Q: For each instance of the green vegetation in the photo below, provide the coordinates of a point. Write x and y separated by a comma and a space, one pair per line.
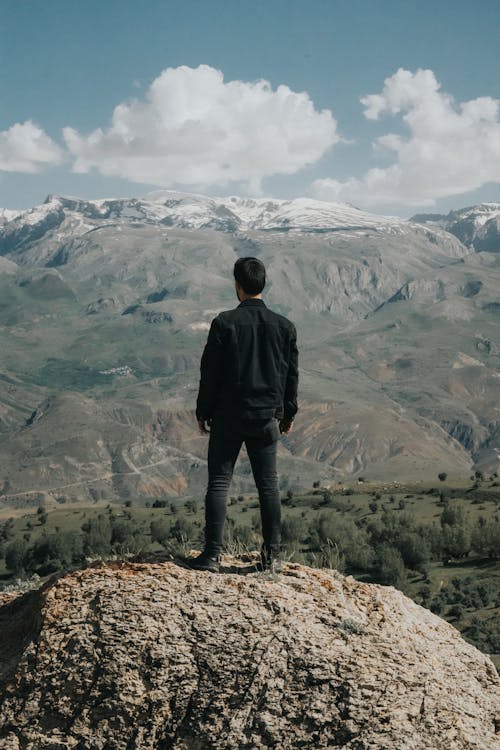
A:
441, 546
70, 375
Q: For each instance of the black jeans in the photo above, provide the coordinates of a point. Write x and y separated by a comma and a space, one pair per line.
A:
226, 438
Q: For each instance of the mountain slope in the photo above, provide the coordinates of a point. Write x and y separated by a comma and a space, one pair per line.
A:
104, 311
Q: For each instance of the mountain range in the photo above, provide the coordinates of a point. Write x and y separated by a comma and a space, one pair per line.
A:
105, 306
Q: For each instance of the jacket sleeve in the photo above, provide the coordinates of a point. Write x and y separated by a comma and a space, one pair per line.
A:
211, 369
292, 380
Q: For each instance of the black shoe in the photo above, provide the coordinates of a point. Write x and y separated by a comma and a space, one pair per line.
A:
205, 561
271, 560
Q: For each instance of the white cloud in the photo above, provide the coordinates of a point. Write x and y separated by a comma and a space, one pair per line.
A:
194, 129
25, 147
451, 148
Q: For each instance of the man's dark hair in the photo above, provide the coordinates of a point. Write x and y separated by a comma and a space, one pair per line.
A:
250, 273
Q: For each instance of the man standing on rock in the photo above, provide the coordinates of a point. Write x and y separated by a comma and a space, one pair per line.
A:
247, 394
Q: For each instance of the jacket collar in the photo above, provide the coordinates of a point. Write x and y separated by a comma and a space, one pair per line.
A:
253, 301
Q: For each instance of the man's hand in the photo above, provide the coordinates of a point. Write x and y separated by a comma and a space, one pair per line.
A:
285, 426
203, 427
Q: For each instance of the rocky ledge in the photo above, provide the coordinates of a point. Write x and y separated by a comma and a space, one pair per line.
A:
153, 656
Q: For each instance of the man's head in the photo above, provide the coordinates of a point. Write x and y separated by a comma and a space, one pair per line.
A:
250, 275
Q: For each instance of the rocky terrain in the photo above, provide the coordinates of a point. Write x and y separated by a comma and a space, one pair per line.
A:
105, 307
154, 655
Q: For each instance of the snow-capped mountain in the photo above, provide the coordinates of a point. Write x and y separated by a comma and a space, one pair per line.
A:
475, 226
61, 218
7, 214
302, 214
188, 211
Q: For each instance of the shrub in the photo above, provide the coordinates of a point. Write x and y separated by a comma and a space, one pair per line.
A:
97, 535
456, 611
51, 552
389, 566
352, 541
183, 530
160, 530
292, 529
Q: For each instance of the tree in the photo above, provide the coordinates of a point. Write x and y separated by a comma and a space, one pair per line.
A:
51, 552
15, 556
442, 476
456, 540
7, 530
160, 504
453, 514
415, 551
485, 538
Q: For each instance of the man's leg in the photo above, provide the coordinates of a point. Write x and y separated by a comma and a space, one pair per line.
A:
262, 455
223, 448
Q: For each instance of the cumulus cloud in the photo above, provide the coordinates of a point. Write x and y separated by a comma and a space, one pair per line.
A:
193, 128
25, 147
450, 149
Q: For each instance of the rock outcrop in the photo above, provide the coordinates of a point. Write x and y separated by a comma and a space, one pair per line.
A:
156, 656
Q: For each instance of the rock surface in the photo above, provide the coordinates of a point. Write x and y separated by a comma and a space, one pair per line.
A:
156, 656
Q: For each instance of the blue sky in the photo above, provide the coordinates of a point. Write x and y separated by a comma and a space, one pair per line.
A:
424, 138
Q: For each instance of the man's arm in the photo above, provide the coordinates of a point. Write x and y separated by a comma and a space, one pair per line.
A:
210, 374
292, 382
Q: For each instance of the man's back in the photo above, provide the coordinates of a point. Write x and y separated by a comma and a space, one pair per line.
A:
249, 365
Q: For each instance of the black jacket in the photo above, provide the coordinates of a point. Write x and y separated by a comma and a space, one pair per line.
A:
249, 367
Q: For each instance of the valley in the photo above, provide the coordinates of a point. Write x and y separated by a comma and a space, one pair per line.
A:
105, 308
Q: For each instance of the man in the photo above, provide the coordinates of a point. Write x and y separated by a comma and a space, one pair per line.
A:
247, 394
